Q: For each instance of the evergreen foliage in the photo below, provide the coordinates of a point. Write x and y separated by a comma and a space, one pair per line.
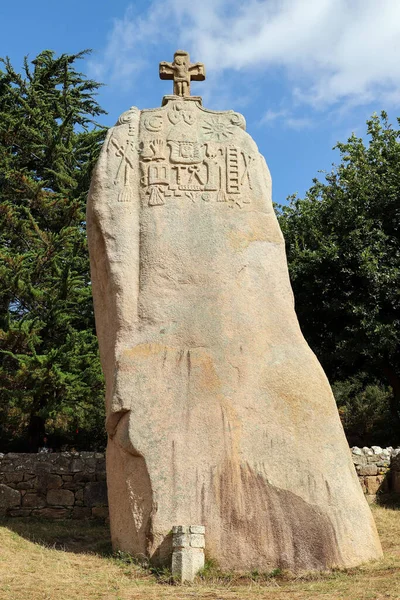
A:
343, 245
50, 374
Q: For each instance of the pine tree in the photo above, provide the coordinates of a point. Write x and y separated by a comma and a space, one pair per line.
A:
50, 373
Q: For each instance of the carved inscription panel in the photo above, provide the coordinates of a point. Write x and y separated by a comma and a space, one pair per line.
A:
190, 155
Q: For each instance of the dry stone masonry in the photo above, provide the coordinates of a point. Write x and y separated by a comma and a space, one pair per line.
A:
53, 486
377, 469
218, 412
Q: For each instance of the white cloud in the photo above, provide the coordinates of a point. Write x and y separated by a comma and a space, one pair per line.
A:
298, 123
273, 115
287, 118
331, 50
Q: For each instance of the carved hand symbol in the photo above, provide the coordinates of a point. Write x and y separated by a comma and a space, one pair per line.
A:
157, 146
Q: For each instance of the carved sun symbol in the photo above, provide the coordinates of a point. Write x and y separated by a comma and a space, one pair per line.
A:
216, 129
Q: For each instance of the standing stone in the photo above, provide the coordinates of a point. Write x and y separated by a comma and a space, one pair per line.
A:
218, 412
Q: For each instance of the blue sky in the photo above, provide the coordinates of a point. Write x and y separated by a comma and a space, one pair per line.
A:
305, 73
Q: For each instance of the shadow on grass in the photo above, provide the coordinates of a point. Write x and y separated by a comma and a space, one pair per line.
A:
83, 537
69, 536
389, 500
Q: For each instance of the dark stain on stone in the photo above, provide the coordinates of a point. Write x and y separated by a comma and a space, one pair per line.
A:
328, 491
174, 482
203, 503
273, 527
189, 364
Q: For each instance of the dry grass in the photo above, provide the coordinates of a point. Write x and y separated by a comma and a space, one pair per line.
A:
72, 561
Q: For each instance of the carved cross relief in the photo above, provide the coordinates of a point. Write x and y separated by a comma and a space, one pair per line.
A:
182, 72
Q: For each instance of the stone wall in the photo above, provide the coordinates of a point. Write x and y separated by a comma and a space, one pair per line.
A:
58, 485
378, 469
73, 485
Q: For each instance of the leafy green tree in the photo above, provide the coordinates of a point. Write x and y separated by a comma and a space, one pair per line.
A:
364, 410
50, 375
343, 245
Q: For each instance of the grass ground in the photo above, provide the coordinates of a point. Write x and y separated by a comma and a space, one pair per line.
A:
73, 561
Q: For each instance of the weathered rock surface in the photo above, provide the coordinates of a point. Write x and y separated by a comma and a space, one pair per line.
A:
60, 497
95, 494
9, 497
218, 411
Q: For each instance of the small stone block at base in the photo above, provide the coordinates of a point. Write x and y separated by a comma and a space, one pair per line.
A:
197, 529
197, 540
181, 540
188, 552
180, 529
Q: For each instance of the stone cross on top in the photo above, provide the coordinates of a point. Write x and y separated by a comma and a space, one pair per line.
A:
182, 72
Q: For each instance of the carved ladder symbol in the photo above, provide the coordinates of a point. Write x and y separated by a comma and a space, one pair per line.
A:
232, 165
